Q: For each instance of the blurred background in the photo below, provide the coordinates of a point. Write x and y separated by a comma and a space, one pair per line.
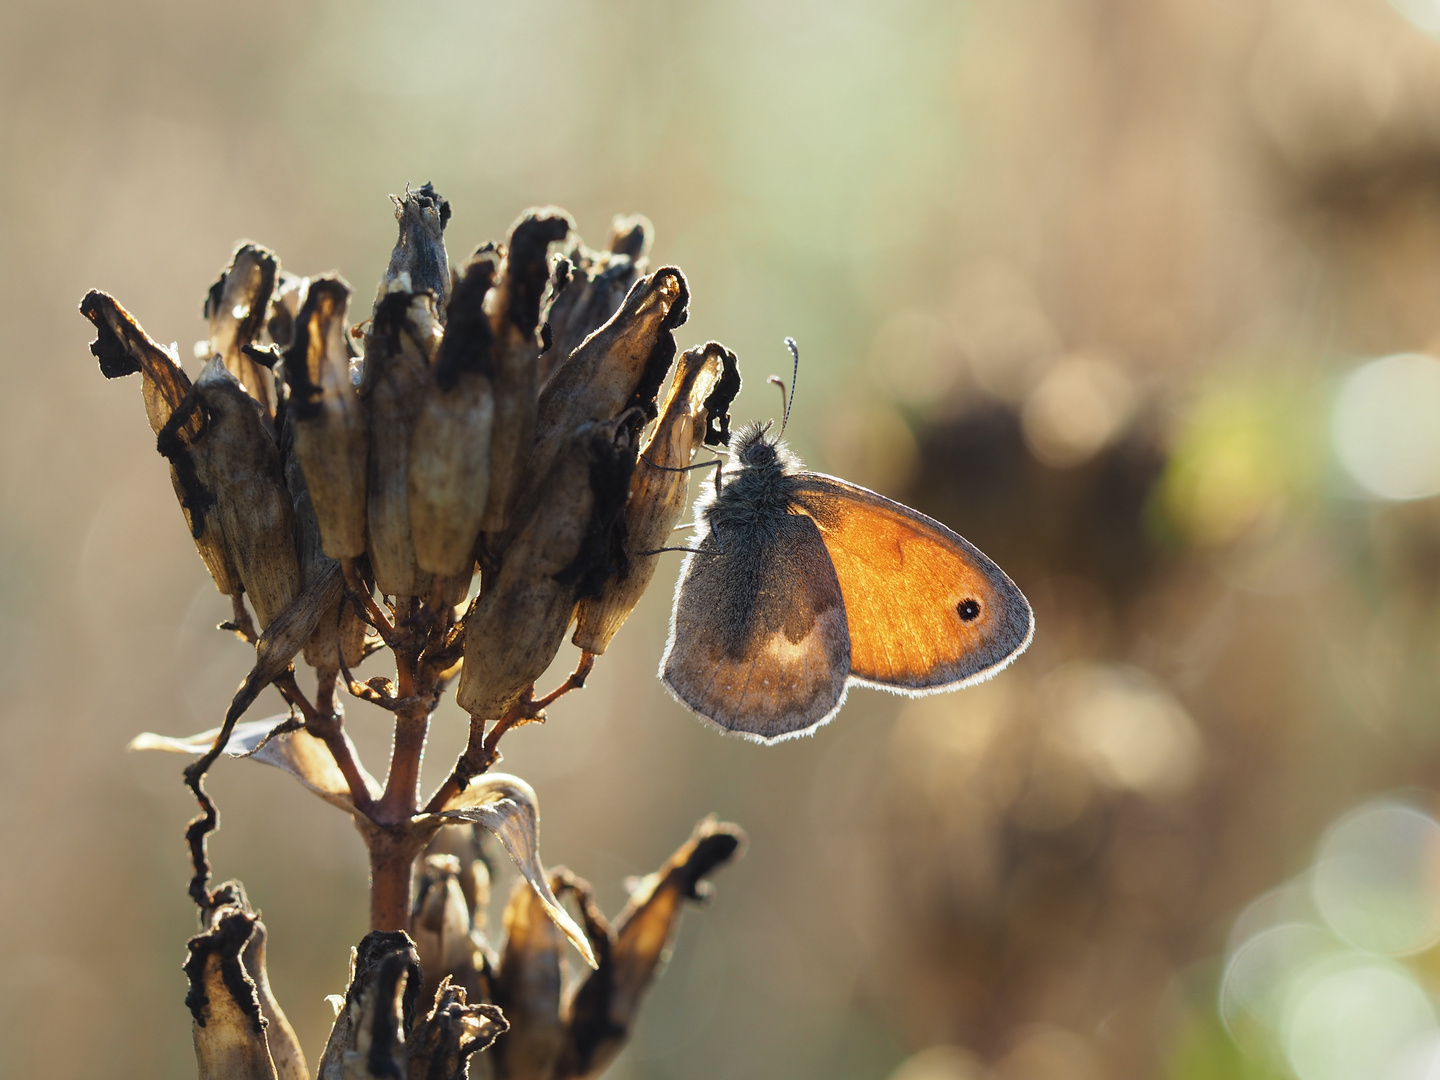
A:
1141, 296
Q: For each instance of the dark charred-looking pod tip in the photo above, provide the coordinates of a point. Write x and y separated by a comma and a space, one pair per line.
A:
515, 315
236, 308
123, 348
657, 496
418, 262
717, 405
606, 1004
228, 1026
630, 235
331, 438
450, 451
372, 1026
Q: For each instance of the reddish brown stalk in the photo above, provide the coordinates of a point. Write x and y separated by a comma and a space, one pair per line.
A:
327, 727
371, 609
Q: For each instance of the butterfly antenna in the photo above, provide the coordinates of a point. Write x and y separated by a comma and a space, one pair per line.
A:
794, 377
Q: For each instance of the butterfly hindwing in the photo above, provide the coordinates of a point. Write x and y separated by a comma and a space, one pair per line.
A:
758, 640
926, 609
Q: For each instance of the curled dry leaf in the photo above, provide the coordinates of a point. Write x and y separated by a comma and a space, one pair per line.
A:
605, 1005
449, 477
589, 286
515, 317
506, 806
238, 465
236, 308
228, 1027
331, 439
301, 755
659, 491
123, 348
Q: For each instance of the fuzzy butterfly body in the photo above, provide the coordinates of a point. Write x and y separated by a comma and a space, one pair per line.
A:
801, 584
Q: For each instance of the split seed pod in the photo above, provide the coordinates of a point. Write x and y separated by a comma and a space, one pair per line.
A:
236, 308
123, 348
619, 366
370, 1030
659, 491
590, 286
520, 618
515, 318
399, 348
237, 462
440, 923
331, 440
449, 468
530, 986
419, 253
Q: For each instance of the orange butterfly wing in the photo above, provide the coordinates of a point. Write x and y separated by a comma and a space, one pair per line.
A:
926, 609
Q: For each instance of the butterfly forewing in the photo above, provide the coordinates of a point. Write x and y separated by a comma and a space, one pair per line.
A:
758, 640
926, 609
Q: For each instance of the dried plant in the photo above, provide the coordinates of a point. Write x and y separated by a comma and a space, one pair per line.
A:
487, 465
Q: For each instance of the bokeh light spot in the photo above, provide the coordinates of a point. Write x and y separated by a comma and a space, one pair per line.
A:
1356, 1020
1386, 426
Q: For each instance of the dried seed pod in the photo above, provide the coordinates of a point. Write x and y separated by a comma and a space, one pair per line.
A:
228, 1025
619, 366
515, 318
589, 286
418, 262
605, 1005
440, 925
659, 491
442, 1044
237, 462
531, 980
339, 635
123, 348
399, 348
331, 439
371, 1028
449, 470
285, 1049
520, 619
285, 303
236, 308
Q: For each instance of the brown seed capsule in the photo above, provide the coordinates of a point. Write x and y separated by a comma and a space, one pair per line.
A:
529, 987
659, 491
440, 924
237, 462
228, 1026
449, 469
330, 436
399, 349
619, 366
441, 1045
606, 1004
515, 317
419, 256
285, 303
123, 348
589, 286
236, 308
381, 1003
339, 635
520, 619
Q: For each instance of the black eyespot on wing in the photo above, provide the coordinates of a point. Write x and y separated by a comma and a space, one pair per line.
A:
969, 610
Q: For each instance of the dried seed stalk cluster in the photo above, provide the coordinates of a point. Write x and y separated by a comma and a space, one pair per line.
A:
492, 425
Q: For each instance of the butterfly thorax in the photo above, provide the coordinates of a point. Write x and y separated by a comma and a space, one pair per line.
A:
757, 490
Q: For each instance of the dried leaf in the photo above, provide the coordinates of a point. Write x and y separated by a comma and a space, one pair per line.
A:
301, 755
606, 1004
506, 806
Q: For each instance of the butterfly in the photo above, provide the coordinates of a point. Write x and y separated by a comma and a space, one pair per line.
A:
801, 584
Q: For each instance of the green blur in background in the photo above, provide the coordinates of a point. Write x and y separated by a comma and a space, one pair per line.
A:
1097, 283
